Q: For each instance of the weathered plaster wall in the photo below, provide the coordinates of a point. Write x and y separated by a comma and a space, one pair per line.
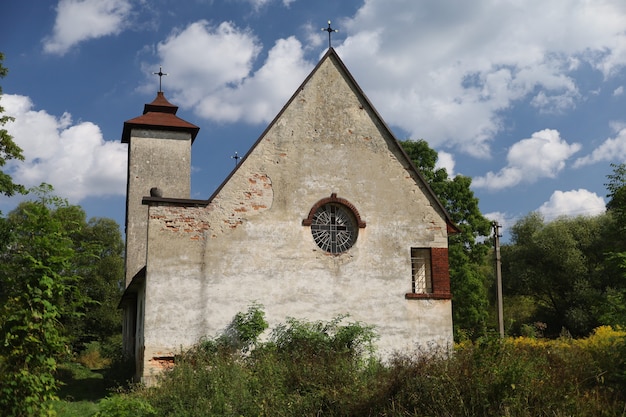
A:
205, 264
155, 159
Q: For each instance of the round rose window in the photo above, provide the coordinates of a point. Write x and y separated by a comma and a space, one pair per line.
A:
334, 228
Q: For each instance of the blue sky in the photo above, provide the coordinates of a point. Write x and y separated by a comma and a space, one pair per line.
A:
526, 97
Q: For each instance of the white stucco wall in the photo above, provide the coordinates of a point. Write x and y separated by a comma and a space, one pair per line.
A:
155, 159
205, 264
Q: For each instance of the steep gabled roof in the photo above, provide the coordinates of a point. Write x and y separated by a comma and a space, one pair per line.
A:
332, 54
158, 115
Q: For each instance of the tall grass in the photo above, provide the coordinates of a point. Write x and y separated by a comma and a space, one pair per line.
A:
330, 369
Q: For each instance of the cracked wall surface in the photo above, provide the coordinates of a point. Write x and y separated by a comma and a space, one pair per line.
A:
249, 244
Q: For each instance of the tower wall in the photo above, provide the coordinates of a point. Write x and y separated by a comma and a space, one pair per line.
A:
156, 158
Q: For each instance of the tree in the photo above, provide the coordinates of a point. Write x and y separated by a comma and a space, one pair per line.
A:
8, 149
467, 253
615, 307
60, 282
561, 266
102, 265
40, 288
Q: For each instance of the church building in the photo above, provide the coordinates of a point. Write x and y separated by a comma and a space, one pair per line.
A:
325, 215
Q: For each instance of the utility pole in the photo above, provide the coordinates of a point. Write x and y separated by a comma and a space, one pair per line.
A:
496, 245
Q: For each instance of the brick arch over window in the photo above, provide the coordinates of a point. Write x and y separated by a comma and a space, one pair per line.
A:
333, 199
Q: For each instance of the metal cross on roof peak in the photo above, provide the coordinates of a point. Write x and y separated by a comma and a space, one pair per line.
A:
236, 158
160, 74
329, 30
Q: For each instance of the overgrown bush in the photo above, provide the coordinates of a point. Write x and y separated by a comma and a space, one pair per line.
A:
329, 368
512, 377
92, 356
304, 369
125, 406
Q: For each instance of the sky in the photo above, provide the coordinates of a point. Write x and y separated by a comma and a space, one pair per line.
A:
526, 97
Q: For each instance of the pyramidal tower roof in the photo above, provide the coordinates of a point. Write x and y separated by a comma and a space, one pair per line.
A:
159, 115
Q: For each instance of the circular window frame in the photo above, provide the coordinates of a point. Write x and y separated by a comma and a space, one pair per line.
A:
324, 214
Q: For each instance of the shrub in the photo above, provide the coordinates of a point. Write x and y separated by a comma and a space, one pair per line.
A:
124, 406
306, 368
329, 368
92, 356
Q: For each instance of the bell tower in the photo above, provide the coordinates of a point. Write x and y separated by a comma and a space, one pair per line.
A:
159, 159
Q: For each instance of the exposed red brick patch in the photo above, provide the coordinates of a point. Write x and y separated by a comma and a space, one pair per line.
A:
162, 362
333, 199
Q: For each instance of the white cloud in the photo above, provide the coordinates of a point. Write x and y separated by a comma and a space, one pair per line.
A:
572, 203
555, 103
451, 68
74, 158
446, 160
618, 91
442, 71
80, 20
610, 150
212, 71
259, 4
543, 155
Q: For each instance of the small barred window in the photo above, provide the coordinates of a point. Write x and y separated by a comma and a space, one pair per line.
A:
422, 281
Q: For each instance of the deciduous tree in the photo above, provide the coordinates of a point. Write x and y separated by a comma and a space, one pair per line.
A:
561, 266
8, 148
467, 251
40, 288
59, 287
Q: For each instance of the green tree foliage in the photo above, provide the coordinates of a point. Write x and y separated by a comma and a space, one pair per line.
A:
467, 253
617, 193
561, 265
8, 149
40, 288
99, 260
615, 306
59, 285
572, 269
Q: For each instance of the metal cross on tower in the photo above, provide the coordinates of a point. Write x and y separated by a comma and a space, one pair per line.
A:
160, 74
329, 30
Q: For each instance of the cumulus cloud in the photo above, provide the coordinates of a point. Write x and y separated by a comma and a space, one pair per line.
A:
445, 160
609, 150
212, 72
451, 68
543, 155
73, 157
80, 20
504, 220
579, 202
618, 91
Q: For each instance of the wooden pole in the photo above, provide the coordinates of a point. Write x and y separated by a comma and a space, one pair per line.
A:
496, 244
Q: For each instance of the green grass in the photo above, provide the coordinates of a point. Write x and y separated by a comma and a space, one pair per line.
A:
82, 389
